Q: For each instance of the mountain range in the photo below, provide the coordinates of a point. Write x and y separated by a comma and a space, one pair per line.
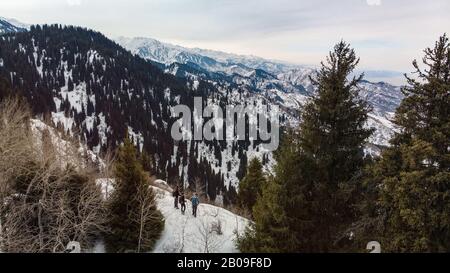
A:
11, 25
101, 89
285, 84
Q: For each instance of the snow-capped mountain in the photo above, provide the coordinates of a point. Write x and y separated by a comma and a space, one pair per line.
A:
285, 84
214, 61
167, 54
11, 25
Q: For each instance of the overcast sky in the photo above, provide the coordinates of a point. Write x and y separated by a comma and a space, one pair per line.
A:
387, 34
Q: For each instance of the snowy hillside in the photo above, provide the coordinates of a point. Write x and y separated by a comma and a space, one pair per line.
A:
213, 231
67, 151
11, 25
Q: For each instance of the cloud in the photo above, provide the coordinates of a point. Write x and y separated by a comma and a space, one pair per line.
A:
374, 2
73, 3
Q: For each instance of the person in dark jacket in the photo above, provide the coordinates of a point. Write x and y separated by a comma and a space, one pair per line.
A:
182, 200
195, 202
176, 194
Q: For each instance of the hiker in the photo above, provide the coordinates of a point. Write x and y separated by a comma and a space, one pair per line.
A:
176, 194
182, 201
195, 202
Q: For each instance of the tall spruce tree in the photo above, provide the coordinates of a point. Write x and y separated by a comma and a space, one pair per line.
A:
309, 203
251, 185
413, 175
132, 196
147, 162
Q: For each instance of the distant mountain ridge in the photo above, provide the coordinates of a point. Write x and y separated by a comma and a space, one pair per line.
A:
285, 84
166, 53
11, 25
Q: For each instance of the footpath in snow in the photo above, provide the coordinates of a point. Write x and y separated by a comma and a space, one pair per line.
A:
212, 231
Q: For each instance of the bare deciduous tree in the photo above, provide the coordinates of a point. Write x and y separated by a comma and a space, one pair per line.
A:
15, 147
48, 194
107, 172
146, 216
200, 189
208, 238
217, 227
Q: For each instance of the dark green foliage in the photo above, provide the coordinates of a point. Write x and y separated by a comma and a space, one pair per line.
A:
332, 133
276, 207
413, 176
251, 186
132, 191
4, 88
147, 162
307, 206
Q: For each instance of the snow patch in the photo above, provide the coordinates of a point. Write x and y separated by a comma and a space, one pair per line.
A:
187, 234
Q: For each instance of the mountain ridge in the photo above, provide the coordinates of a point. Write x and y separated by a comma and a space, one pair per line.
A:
8, 25
287, 85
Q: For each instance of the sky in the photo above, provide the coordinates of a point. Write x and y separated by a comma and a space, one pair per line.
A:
386, 34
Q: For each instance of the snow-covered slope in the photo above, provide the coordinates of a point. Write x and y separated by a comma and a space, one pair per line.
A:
11, 25
212, 231
67, 151
187, 234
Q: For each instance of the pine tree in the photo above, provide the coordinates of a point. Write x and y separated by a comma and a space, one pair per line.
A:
274, 208
147, 161
70, 85
413, 175
251, 185
5, 89
132, 195
308, 204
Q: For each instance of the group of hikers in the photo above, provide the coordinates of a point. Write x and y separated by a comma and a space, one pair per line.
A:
179, 198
